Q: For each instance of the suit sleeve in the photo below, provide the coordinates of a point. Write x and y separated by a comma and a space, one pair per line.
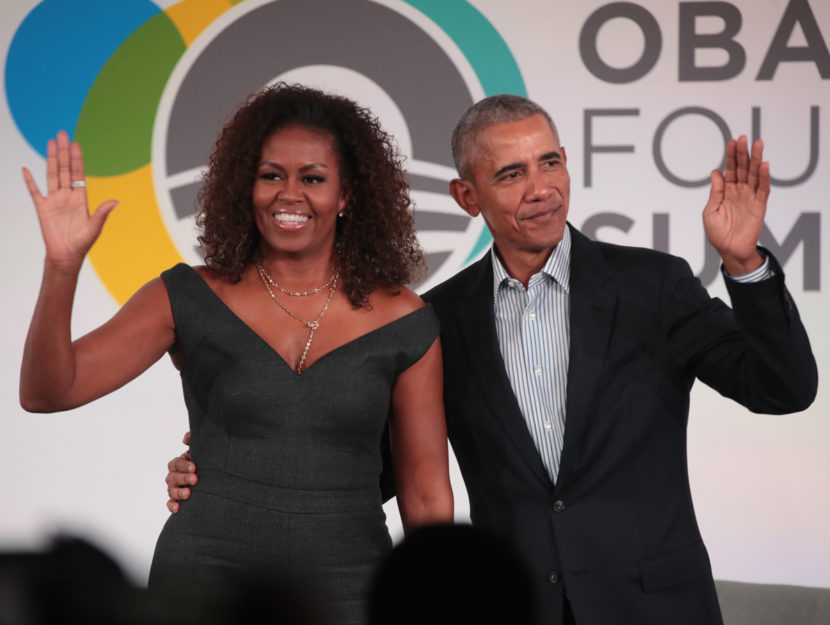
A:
756, 353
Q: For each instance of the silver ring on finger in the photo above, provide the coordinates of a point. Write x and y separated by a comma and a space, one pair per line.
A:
77, 184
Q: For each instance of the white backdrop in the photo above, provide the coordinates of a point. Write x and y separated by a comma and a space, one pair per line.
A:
760, 483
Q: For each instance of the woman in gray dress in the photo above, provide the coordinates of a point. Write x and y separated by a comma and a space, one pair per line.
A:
297, 344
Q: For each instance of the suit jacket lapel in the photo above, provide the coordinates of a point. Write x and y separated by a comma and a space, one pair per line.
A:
593, 308
477, 328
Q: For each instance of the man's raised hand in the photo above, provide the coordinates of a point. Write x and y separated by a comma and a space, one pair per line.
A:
734, 214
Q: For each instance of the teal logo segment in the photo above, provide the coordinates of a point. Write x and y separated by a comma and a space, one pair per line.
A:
480, 42
486, 51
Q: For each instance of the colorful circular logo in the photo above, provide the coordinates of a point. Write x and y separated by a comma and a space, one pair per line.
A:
147, 98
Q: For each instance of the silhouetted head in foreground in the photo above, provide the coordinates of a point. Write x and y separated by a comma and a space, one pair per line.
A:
72, 581
452, 574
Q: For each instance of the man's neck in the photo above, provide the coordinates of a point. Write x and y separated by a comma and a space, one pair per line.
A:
522, 265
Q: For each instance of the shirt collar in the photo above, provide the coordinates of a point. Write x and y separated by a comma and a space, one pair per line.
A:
557, 267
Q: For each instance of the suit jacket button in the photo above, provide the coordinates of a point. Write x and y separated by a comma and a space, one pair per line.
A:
554, 578
558, 505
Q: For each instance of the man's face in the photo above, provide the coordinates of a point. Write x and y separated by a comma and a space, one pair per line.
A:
520, 185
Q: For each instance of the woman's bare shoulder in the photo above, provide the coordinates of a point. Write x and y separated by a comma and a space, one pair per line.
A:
207, 274
218, 283
392, 304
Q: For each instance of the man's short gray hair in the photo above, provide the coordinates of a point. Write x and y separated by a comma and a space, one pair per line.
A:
497, 109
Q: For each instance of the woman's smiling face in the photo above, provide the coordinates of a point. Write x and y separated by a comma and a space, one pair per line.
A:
298, 192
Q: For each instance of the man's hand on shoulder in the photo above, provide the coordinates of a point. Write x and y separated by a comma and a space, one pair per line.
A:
181, 474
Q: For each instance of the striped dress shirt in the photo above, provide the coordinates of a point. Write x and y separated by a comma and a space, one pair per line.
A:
534, 332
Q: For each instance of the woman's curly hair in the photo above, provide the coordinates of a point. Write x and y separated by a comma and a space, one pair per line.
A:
375, 238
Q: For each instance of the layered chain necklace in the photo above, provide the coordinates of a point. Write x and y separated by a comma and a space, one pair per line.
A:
331, 283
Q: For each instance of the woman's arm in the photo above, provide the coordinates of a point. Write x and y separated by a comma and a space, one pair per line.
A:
419, 443
57, 374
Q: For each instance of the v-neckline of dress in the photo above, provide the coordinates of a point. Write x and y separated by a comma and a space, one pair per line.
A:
279, 356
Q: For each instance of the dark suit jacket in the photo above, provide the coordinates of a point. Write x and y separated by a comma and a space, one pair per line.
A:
617, 532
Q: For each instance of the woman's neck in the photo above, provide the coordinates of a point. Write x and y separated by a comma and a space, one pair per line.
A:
298, 274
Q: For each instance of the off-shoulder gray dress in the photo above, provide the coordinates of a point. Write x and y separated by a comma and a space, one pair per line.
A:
288, 464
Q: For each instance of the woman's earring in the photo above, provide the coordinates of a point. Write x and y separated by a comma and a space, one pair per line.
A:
341, 214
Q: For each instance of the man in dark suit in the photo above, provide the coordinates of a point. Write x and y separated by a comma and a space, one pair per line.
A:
568, 365
605, 517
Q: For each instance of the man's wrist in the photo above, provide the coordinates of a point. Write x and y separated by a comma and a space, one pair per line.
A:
741, 266
761, 271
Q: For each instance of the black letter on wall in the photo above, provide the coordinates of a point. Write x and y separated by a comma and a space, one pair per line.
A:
689, 41
657, 148
811, 165
588, 42
797, 12
588, 138
601, 220
807, 231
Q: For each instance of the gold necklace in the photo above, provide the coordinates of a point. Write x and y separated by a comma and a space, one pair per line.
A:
267, 276
311, 325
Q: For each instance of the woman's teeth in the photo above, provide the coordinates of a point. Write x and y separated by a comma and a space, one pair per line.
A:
291, 218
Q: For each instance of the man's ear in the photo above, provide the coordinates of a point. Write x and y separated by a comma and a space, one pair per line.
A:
564, 156
463, 193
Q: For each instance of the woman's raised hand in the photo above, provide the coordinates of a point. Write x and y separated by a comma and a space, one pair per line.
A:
68, 229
